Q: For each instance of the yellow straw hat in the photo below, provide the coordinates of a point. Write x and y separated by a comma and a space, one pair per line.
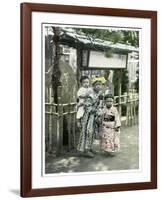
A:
99, 79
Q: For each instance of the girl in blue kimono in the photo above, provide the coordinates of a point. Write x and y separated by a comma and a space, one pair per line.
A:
89, 126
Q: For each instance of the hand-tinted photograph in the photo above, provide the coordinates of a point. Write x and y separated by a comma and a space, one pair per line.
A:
91, 98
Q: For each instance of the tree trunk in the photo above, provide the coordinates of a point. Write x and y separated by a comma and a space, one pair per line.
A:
56, 74
78, 64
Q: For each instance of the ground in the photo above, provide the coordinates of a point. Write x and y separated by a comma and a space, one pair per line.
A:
127, 158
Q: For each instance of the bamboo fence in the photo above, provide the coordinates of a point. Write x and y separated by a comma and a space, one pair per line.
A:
57, 114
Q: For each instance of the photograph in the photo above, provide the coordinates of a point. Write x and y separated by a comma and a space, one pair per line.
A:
91, 91
88, 99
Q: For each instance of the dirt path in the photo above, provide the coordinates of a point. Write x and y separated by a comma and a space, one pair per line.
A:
127, 158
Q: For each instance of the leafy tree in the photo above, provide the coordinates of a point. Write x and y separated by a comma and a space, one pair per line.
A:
122, 36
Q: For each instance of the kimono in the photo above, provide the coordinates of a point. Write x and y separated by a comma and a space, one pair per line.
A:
89, 126
82, 94
110, 130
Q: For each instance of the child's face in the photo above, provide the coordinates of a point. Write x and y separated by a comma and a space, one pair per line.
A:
97, 86
109, 102
85, 83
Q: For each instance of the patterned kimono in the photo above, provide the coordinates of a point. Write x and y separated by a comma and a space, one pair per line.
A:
89, 126
110, 137
82, 94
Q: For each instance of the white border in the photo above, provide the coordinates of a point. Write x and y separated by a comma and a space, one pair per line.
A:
78, 179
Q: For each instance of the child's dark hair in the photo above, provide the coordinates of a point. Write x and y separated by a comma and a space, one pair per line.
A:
109, 96
83, 78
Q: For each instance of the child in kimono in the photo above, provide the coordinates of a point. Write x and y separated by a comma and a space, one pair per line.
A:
82, 94
89, 127
110, 127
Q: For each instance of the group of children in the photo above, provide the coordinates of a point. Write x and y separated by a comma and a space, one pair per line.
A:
96, 116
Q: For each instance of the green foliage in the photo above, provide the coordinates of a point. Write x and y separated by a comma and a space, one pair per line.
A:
131, 37
115, 36
109, 53
124, 81
48, 47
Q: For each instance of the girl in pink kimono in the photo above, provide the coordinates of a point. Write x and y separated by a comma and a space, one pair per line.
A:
110, 126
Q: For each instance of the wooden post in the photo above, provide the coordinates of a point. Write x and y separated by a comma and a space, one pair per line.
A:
119, 85
135, 108
73, 127
46, 122
78, 64
128, 97
59, 123
69, 126
50, 124
54, 126
131, 110
128, 110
